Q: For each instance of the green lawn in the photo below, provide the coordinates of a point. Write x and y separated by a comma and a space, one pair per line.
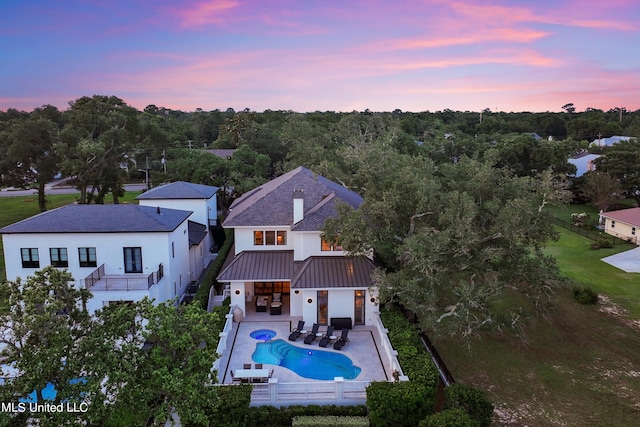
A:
579, 366
14, 209
578, 261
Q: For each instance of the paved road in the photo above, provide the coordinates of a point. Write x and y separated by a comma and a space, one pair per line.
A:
49, 190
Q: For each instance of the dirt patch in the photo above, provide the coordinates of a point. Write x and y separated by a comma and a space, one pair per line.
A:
605, 305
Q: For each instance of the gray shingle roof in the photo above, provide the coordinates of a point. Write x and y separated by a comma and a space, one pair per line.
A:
197, 232
333, 272
259, 266
179, 190
271, 204
100, 219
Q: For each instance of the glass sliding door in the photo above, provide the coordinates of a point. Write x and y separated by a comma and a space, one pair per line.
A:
358, 314
323, 307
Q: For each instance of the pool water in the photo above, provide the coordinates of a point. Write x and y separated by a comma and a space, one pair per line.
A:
307, 362
263, 334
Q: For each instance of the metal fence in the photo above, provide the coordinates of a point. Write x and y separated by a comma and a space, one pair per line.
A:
589, 232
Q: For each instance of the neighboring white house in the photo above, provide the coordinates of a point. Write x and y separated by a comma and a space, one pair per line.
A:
624, 223
118, 252
279, 249
202, 201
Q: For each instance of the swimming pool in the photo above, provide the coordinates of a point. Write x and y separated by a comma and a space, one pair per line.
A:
307, 362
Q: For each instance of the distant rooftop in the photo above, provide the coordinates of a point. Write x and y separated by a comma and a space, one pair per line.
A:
122, 218
224, 153
179, 190
601, 142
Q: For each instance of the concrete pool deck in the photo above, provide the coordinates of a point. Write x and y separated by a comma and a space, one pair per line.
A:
363, 349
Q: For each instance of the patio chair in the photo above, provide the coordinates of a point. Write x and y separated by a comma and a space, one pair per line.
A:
340, 342
295, 334
326, 338
258, 365
234, 379
246, 366
311, 336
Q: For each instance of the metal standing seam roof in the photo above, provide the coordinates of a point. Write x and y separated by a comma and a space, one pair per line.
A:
334, 272
630, 216
313, 273
179, 190
121, 218
271, 204
259, 266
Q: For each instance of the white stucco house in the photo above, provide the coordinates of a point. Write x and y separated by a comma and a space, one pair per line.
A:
119, 252
279, 251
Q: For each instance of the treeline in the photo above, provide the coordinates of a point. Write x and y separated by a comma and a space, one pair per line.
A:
102, 142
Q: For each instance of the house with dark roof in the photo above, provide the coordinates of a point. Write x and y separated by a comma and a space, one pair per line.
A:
624, 223
279, 251
120, 252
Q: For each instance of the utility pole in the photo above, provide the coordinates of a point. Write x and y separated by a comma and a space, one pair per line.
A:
164, 162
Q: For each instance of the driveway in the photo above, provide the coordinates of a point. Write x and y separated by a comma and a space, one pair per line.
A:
628, 261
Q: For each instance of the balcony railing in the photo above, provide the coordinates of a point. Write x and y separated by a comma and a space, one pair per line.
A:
99, 281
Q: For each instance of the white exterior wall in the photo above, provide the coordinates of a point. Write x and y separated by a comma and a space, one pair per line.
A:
156, 249
243, 239
295, 303
310, 244
202, 210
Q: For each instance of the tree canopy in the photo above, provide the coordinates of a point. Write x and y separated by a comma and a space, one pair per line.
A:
129, 364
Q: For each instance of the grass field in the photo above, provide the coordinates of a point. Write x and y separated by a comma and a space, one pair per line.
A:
14, 209
581, 366
578, 261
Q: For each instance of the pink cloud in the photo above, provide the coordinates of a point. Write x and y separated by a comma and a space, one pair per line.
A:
205, 12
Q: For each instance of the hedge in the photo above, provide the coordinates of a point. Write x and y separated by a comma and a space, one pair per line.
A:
283, 416
330, 421
202, 296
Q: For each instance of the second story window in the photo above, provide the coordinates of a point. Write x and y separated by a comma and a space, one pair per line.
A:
258, 238
270, 238
59, 257
87, 257
326, 246
133, 260
30, 258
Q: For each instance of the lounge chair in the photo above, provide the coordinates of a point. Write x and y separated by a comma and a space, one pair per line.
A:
295, 334
325, 340
311, 336
340, 342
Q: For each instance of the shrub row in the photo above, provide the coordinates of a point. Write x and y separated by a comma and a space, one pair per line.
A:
202, 296
330, 421
404, 336
283, 417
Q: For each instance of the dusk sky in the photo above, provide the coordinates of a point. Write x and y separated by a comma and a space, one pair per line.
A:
310, 55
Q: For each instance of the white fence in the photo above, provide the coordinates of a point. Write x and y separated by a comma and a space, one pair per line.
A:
222, 343
275, 393
388, 348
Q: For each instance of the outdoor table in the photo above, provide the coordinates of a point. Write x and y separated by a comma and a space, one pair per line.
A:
250, 374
